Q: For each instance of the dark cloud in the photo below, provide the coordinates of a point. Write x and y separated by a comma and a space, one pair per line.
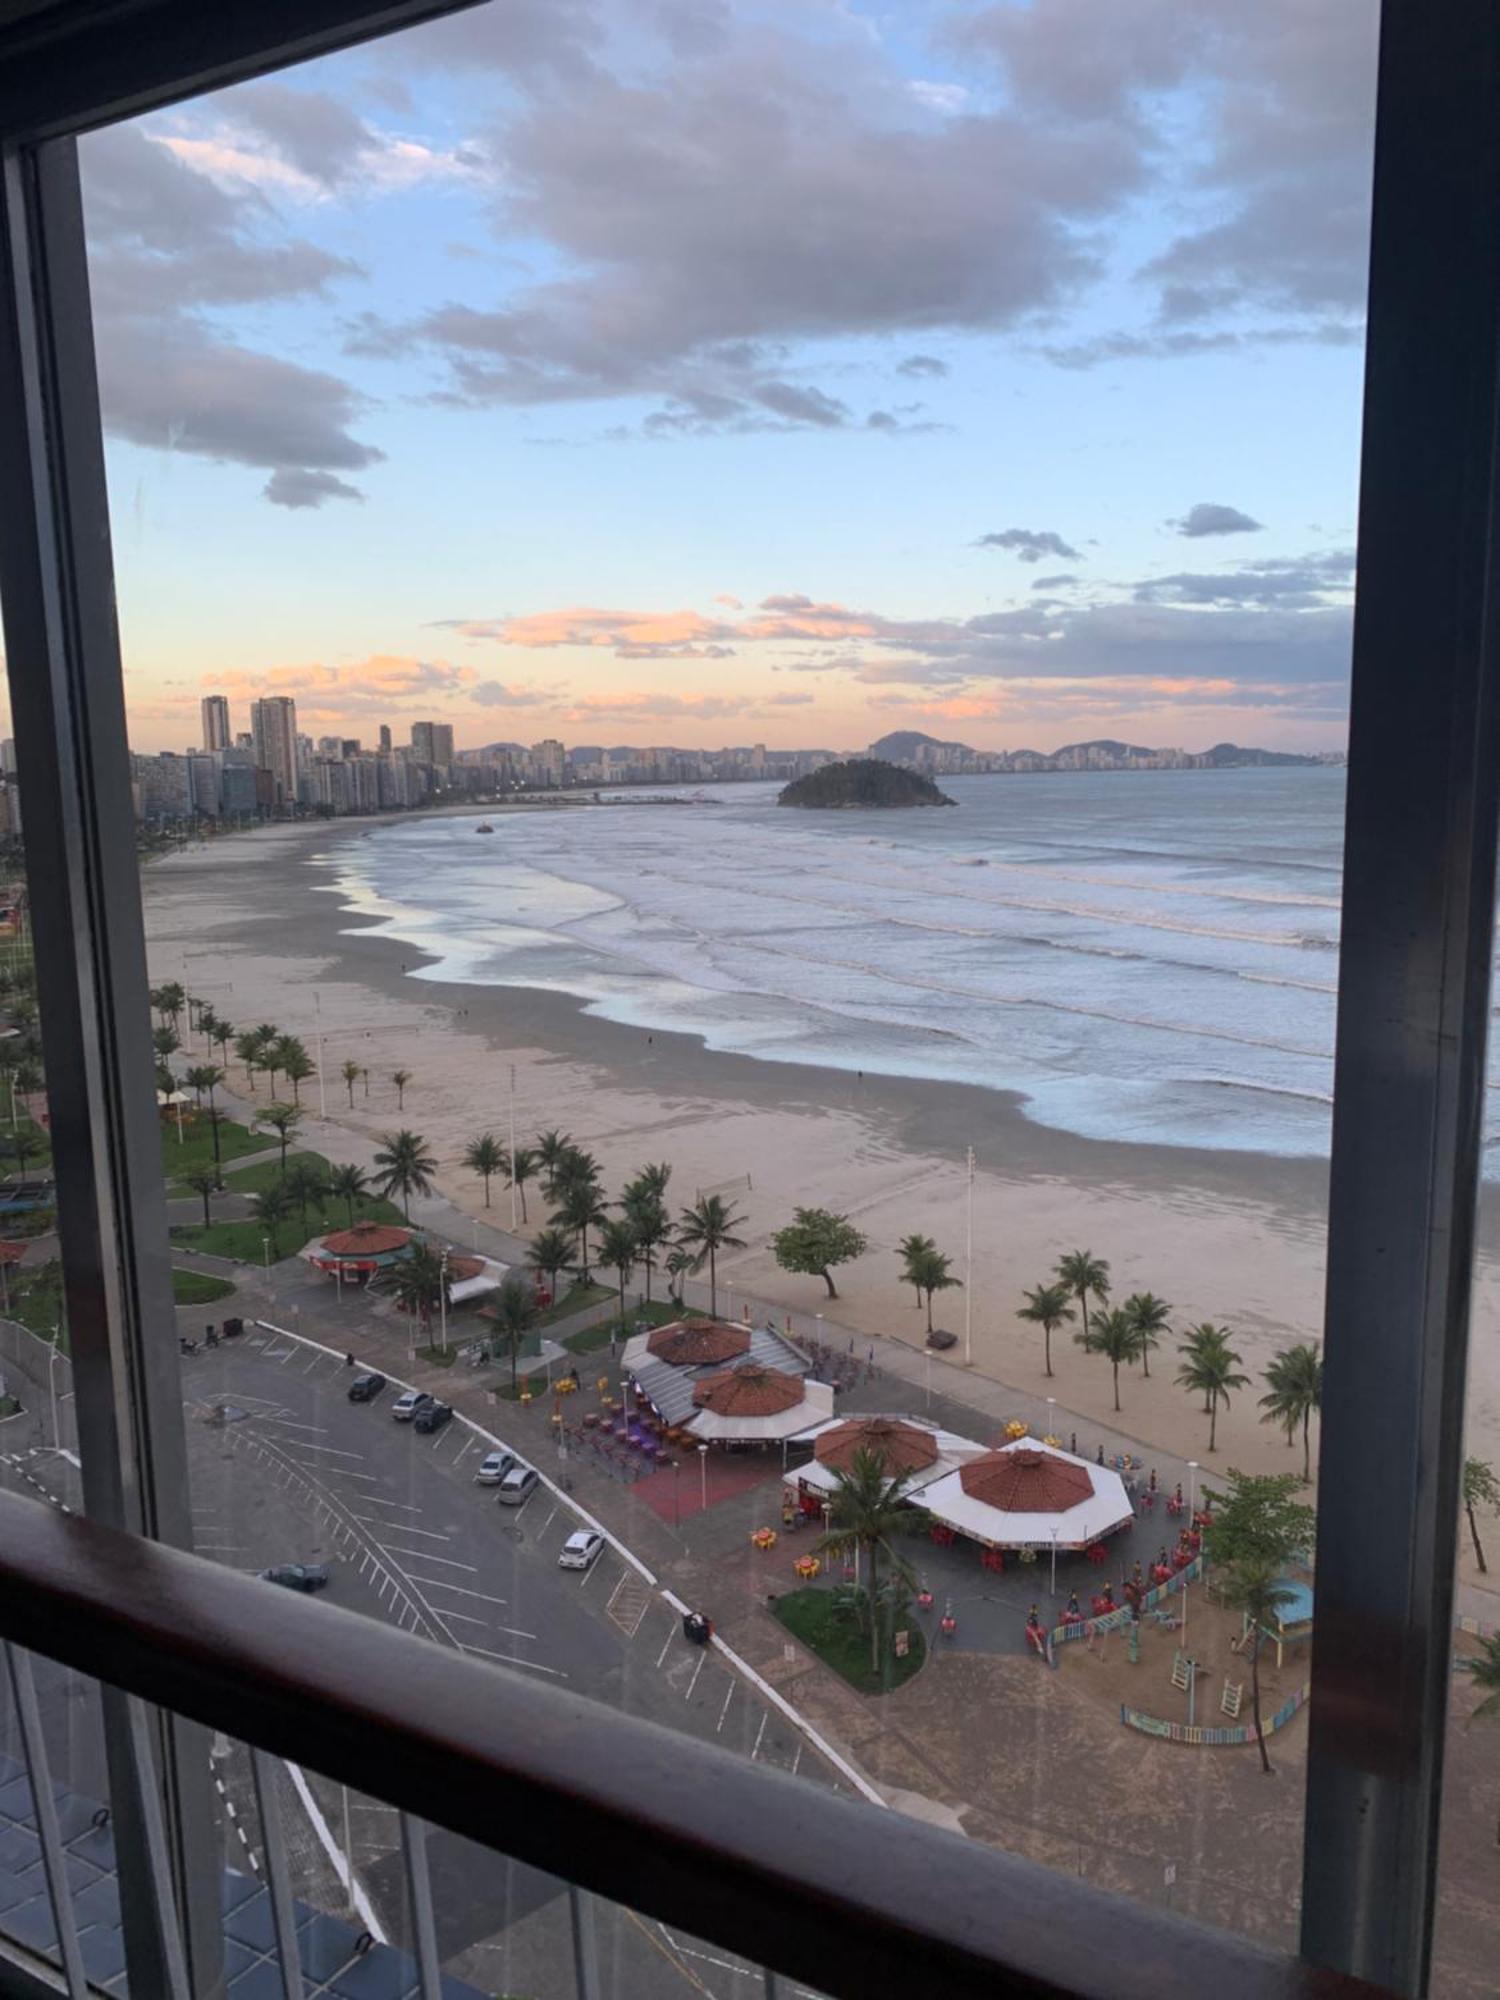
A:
1300, 585
802, 406
921, 366
295, 486
1030, 544
308, 129
1210, 518
1185, 345
1054, 582
499, 694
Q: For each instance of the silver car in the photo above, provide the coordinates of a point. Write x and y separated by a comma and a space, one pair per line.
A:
408, 1403
517, 1487
493, 1468
581, 1549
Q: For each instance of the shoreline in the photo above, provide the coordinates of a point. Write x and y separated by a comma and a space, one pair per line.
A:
1230, 1236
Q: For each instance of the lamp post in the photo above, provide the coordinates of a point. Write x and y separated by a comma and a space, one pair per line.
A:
969, 1269
703, 1475
443, 1296
318, 1031
1192, 1504
52, 1385
676, 1496
513, 1148
265, 1244
1051, 1415
1054, 1561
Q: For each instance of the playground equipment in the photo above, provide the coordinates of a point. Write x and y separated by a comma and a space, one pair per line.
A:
1229, 1700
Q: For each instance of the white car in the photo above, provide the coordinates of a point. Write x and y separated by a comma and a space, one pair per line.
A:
493, 1468
408, 1403
581, 1550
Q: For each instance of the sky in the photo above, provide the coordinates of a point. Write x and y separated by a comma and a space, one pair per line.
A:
732, 371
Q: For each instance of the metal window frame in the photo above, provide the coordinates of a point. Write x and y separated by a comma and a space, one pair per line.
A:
1419, 881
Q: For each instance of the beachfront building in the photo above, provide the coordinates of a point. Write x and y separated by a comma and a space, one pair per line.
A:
922, 1451
273, 725
1030, 1495
725, 1383
358, 1255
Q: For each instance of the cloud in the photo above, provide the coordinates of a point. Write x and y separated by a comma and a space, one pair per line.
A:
921, 366
1299, 585
313, 132
295, 486
497, 694
1054, 582
1209, 518
379, 685
1030, 544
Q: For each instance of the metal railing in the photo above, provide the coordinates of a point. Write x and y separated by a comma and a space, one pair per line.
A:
849, 1901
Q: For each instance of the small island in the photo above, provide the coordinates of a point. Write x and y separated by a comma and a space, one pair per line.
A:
862, 781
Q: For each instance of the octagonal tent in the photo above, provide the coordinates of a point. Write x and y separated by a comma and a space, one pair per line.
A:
900, 1447
1030, 1495
697, 1343
357, 1254
756, 1404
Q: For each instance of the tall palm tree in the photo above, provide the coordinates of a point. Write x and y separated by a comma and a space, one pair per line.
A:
1483, 1668
349, 1071
648, 1218
550, 1252
1082, 1272
934, 1273
205, 1184
404, 1166
513, 1313
867, 1512
305, 1188
348, 1185
521, 1167
247, 1049
705, 1229
619, 1252
1210, 1369
1256, 1590
912, 1250
207, 1077
551, 1148
575, 1169
1480, 1489
168, 1001
283, 1120
268, 1045
485, 1156
1113, 1335
270, 1208
401, 1078
295, 1064
417, 1283
580, 1208
224, 1032
1150, 1316
164, 1041
1294, 1383
1046, 1307
678, 1263
1197, 1338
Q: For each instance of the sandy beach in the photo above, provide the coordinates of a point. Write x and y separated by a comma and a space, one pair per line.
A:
250, 924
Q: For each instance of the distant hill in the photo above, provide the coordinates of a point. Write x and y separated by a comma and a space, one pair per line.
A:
863, 781
902, 745
910, 748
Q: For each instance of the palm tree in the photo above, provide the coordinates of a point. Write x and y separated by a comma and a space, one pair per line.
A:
551, 1253
1259, 1592
270, 1209
485, 1156
647, 1214
912, 1250
247, 1049
575, 1169
935, 1271
165, 1042
1483, 1668
1113, 1335
1210, 1369
350, 1073
1480, 1489
208, 1022
551, 1149
168, 1001
404, 1167
579, 1208
679, 1263
223, 1034
1205, 1336
205, 1183
619, 1252
348, 1185
1150, 1316
268, 1044
705, 1229
1294, 1381
401, 1078
305, 1187
513, 1314
417, 1283
295, 1064
207, 1077
1046, 1307
1082, 1272
521, 1167
866, 1513
283, 1120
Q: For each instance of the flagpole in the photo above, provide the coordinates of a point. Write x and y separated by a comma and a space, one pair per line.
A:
513, 1148
322, 1097
969, 1270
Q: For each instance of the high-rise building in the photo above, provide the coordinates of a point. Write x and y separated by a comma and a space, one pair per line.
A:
385, 739
432, 743
273, 724
215, 710
548, 759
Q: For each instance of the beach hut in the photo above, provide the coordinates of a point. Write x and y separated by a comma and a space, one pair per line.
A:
1030, 1495
355, 1256
755, 1381
921, 1450
754, 1404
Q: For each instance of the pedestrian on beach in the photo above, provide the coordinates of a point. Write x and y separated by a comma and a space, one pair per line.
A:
1073, 1443
1101, 1454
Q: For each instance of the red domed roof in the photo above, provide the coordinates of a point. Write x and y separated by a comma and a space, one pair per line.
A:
900, 1447
1026, 1481
696, 1343
367, 1239
749, 1391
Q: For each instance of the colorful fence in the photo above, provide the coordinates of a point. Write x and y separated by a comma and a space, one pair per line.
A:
1085, 1628
1200, 1733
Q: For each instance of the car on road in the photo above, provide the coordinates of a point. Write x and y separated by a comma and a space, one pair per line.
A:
581, 1549
297, 1576
493, 1467
365, 1388
432, 1416
517, 1487
408, 1403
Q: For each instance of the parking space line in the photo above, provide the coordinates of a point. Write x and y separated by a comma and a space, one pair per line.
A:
463, 1618
332, 1451
469, 1443
424, 1555
548, 1522
668, 1646
438, 1583
595, 1569
798, 1758
759, 1734
702, 1656
315, 1360
725, 1709
402, 1528
379, 1500
262, 1417
515, 1660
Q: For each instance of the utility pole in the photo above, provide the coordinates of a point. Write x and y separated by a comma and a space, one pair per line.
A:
969, 1270
513, 1148
318, 1017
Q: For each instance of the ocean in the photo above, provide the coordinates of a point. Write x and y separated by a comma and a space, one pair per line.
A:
1148, 956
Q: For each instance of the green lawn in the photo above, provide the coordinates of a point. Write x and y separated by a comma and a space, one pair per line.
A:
38, 1154
197, 1149
36, 1298
198, 1288
241, 1240
592, 1338
841, 1643
255, 1180
574, 1301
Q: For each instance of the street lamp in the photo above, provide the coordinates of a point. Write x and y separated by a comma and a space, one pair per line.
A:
443, 1296
703, 1473
1051, 1416
1192, 1506
52, 1386
1054, 1558
265, 1244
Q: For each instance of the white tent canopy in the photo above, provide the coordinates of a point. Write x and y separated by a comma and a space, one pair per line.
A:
953, 1451
1107, 1509
816, 1404
489, 1279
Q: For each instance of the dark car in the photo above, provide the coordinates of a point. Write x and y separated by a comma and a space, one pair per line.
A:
365, 1388
432, 1417
297, 1576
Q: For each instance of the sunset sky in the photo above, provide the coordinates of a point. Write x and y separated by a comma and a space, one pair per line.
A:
704, 371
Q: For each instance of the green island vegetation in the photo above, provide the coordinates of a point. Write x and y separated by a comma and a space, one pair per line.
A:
862, 781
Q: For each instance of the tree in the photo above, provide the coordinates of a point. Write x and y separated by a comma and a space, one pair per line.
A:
646, 1211
270, 1208
618, 1252
814, 1241
1483, 1668
206, 1077
1048, 1308
165, 1042
514, 1313
283, 1120
268, 1053
679, 1263
223, 1034
295, 1064
866, 1513
1294, 1382
1258, 1592
551, 1148
575, 1169
485, 1156
348, 1185
247, 1049
168, 1001
417, 1283
579, 1209
1082, 1272
1149, 1314
521, 1167
404, 1166
705, 1229
912, 1250
1113, 1335
305, 1188
1480, 1489
1210, 1368
401, 1078
551, 1253
934, 1273
1255, 1533
205, 1184
350, 1073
